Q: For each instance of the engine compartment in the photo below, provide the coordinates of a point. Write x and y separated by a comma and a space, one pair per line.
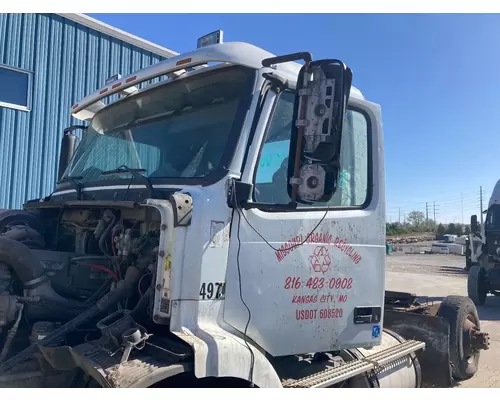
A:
65, 269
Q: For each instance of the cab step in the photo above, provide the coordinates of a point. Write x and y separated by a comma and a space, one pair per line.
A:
352, 368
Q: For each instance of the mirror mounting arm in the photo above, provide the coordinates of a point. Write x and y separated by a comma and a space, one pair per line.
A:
74, 128
303, 55
278, 83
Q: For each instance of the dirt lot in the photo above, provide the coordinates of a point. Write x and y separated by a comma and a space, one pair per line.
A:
439, 275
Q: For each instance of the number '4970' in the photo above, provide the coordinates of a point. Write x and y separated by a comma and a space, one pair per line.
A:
212, 290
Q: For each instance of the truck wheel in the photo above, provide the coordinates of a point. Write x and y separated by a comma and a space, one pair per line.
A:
466, 340
477, 285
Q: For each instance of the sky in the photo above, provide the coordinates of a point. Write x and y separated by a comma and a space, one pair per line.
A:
436, 78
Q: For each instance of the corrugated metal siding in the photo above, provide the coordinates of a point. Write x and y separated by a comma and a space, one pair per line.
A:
68, 61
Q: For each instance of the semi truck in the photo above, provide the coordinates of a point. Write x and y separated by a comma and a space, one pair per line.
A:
483, 252
219, 221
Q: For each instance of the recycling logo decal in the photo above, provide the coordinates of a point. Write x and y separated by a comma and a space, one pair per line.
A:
320, 260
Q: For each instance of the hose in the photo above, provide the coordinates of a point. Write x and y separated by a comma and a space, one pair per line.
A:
11, 335
25, 234
124, 288
99, 292
24, 263
143, 301
105, 234
30, 272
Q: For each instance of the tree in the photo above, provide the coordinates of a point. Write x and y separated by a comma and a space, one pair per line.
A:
441, 230
416, 218
393, 229
467, 230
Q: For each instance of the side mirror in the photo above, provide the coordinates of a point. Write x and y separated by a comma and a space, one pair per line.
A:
322, 93
474, 227
68, 146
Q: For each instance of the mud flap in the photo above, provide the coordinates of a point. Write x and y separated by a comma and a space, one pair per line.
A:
435, 332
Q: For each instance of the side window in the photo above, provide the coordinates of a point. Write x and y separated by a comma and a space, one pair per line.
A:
15, 84
271, 174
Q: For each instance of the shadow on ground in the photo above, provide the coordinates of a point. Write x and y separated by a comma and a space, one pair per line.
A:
452, 270
491, 309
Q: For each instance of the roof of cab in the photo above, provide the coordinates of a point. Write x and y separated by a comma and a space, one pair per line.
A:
495, 195
236, 53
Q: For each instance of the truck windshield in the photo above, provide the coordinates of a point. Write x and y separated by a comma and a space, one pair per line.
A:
181, 130
493, 218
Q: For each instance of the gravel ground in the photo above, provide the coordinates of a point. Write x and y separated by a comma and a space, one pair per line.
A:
439, 275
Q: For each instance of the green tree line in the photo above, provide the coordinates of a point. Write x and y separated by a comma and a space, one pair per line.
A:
417, 223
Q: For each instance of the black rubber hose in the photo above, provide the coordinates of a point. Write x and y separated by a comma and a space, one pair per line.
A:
106, 233
30, 272
26, 235
143, 301
124, 288
24, 263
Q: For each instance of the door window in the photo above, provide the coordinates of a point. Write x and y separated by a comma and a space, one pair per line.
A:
271, 174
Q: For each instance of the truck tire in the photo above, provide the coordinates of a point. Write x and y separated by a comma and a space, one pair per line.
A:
477, 285
456, 310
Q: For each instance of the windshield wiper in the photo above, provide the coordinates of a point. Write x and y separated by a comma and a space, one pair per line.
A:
137, 173
75, 180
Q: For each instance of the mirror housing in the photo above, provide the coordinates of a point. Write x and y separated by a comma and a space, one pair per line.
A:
68, 146
474, 227
323, 89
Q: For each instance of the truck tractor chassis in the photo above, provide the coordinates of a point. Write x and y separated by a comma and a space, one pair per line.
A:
223, 227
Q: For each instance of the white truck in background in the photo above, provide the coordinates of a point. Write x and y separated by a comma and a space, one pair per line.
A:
224, 227
483, 252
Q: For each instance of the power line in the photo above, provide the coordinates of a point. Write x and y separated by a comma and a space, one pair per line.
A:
468, 202
442, 197
465, 202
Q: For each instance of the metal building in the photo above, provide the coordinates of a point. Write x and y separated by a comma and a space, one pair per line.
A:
47, 63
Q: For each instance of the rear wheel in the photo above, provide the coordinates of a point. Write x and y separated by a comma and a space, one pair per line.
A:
466, 340
477, 285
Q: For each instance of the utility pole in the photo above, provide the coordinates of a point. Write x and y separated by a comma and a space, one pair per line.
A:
435, 220
434, 209
462, 203
481, 204
426, 214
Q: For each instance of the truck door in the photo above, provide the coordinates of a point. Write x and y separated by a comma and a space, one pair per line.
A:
310, 279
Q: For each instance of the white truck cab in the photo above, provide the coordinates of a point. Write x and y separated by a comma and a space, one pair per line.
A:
262, 180
483, 252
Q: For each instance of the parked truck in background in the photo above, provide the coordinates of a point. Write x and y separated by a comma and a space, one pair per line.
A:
223, 227
483, 252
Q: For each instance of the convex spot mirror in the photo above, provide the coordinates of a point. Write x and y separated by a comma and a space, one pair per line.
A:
322, 93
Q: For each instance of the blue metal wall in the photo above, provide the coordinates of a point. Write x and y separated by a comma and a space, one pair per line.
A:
68, 61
